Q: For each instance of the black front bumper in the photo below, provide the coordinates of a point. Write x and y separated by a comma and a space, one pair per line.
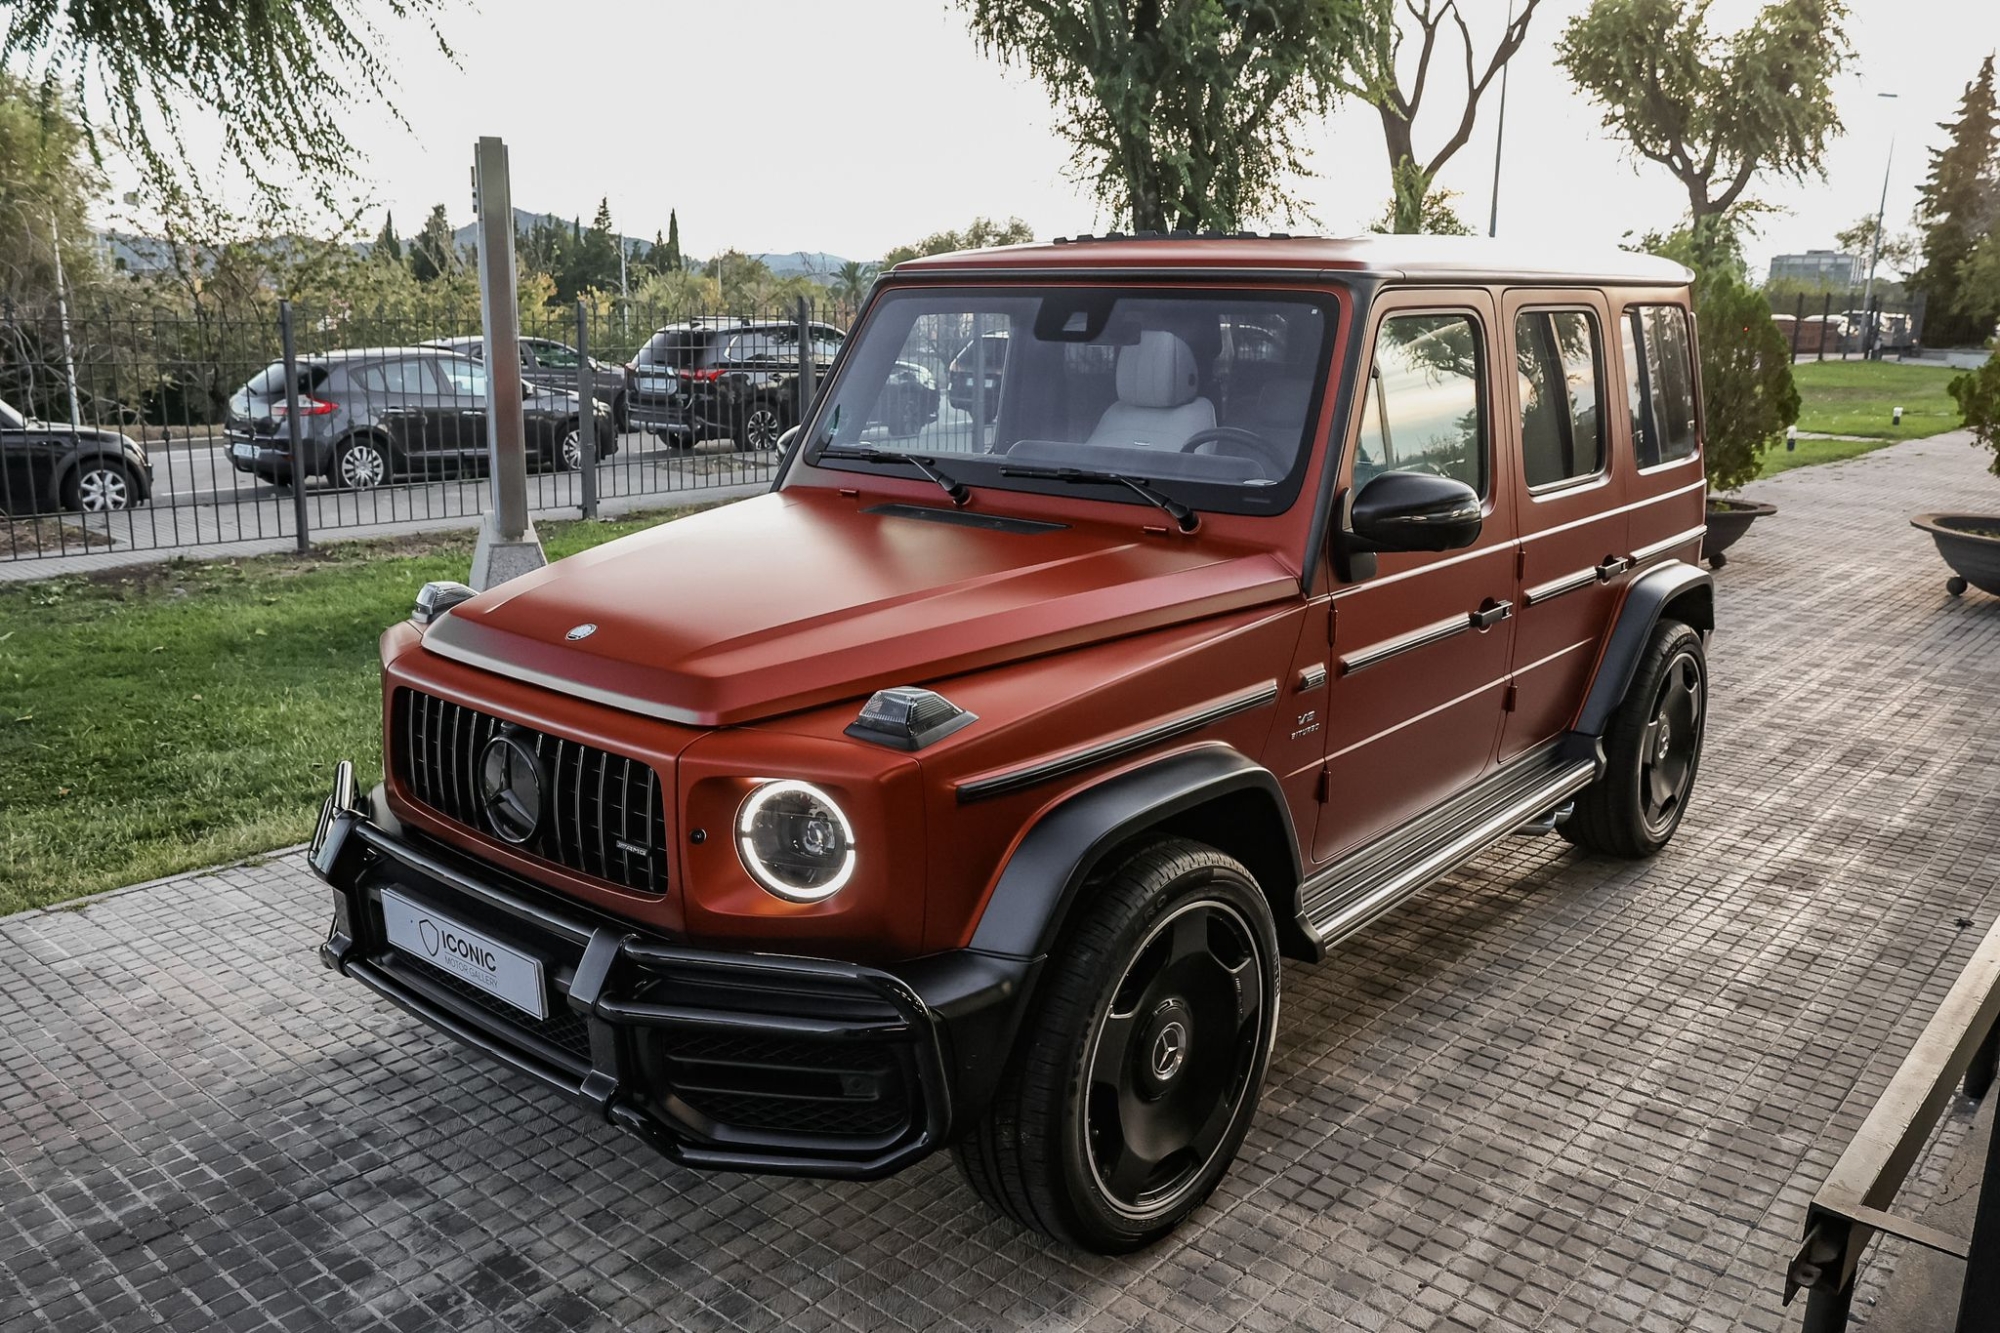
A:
736, 1061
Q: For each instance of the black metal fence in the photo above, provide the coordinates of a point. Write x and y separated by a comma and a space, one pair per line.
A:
131, 430
1839, 325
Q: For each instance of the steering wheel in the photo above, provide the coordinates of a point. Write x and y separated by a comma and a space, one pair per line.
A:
1278, 462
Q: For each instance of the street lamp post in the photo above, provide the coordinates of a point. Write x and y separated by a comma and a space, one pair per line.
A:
1499, 137
1872, 336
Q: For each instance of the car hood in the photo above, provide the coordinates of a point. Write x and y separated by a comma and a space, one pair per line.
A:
59, 433
798, 599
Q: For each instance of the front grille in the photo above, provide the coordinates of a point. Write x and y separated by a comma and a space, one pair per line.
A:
798, 1087
603, 814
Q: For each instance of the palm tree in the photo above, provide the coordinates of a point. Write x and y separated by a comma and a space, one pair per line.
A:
851, 282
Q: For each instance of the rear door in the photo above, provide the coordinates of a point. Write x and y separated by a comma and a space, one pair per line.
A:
395, 399
1422, 647
459, 412
1657, 348
1569, 495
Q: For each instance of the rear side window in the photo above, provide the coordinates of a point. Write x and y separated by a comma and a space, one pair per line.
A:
1557, 355
676, 348
1422, 411
270, 381
1659, 381
555, 356
393, 379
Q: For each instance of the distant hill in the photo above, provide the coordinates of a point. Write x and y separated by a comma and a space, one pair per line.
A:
145, 254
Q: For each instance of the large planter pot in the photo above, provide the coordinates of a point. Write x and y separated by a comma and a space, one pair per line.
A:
1970, 544
1728, 520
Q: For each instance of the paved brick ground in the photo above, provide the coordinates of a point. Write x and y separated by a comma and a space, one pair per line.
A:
1553, 1093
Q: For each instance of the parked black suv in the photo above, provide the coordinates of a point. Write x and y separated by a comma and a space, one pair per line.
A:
46, 466
734, 377
367, 417
552, 365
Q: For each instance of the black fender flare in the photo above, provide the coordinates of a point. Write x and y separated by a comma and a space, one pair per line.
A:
1687, 588
1045, 876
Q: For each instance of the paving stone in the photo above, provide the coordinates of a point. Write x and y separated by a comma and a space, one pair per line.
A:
1553, 1092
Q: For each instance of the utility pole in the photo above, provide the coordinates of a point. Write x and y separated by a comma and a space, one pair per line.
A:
62, 312
1881, 209
1499, 136
508, 545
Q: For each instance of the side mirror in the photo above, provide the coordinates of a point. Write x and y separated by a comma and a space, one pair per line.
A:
1412, 511
785, 440
527, 389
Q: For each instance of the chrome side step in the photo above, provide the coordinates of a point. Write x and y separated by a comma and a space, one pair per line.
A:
1362, 886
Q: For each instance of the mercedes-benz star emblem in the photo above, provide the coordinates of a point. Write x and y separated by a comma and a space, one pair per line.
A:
582, 631
1169, 1050
510, 787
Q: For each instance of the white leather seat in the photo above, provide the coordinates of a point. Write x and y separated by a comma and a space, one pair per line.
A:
1157, 406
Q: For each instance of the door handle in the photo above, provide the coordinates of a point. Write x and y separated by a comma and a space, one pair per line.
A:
1613, 566
472, 412
1491, 614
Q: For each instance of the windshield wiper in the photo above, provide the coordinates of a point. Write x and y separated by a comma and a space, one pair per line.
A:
924, 463
1186, 518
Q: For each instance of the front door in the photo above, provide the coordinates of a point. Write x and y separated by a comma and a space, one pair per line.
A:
459, 421
1421, 646
1569, 495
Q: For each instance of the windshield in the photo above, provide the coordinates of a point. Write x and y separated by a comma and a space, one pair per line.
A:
1210, 395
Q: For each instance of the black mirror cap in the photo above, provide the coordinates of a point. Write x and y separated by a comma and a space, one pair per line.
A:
1414, 511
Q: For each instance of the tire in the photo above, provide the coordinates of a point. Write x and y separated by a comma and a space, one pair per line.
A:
760, 426
361, 464
566, 453
99, 486
1174, 961
1652, 749
621, 414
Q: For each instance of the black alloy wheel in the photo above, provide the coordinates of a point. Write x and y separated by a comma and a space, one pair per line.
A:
1134, 1079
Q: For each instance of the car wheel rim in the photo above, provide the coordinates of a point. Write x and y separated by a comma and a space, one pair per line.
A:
572, 450
1671, 743
101, 490
362, 468
762, 428
1169, 1064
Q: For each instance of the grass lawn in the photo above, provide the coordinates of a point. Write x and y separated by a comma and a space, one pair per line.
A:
1860, 398
168, 717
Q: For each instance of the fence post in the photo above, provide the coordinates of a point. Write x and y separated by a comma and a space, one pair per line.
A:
1798, 323
586, 411
1980, 1296
292, 397
807, 365
1825, 314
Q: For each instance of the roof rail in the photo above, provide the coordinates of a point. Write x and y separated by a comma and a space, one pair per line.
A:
1179, 234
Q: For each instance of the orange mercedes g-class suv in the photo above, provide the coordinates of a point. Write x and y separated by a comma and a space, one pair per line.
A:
966, 789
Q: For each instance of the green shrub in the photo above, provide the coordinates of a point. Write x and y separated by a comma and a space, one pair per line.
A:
1978, 395
1746, 378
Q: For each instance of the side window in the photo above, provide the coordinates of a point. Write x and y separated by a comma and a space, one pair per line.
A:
463, 379
554, 356
395, 379
1422, 411
1659, 381
1557, 355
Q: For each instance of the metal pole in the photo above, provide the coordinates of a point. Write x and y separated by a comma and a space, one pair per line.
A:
506, 445
62, 311
1979, 1298
292, 396
1868, 293
1798, 322
807, 365
1825, 322
1826, 1311
586, 411
1500, 133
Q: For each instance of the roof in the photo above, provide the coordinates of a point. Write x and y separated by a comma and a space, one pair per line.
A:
1465, 258
371, 353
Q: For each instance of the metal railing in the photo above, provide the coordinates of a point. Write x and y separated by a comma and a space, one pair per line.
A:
700, 412
1961, 1042
1847, 324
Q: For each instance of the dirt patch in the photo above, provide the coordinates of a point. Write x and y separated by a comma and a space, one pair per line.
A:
43, 536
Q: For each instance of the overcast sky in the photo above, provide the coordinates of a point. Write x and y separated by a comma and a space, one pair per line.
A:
854, 126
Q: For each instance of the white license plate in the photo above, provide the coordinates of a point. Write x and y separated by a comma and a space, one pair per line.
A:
666, 384
242, 451
500, 971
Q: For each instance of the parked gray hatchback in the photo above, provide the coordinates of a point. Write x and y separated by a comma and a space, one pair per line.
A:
371, 416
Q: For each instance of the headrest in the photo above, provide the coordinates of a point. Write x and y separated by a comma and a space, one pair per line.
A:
1156, 371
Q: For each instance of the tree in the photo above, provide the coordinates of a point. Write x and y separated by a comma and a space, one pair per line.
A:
1182, 115
1713, 109
982, 233
275, 76
590, 262
851, 282
1899, 249
433, 251
47, 185
1435, 215
1978, 395
675, 260
1957, 207
387, 247
1411, 177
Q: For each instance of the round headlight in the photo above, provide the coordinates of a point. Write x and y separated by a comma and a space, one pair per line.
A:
795, 841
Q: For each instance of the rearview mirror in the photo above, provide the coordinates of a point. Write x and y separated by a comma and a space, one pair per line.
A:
1413, 511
